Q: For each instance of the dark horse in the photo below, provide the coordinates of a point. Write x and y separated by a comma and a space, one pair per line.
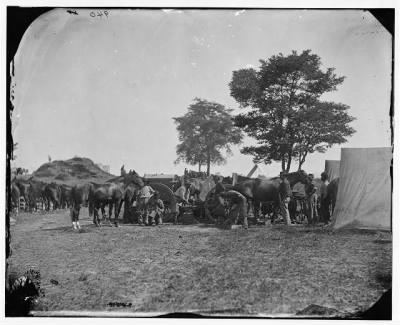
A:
52, 193
79, 196
65, 198
36, 194
24, 188
262, 191
130, 196
111, 193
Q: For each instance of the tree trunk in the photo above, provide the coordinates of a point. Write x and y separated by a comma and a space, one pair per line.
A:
283, 162
208, 162
199, 166
302, 161
289, 163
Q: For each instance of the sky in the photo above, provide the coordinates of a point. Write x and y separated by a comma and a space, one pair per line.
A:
107, 87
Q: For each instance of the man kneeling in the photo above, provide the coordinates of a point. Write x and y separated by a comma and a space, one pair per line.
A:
237, 207
155, 209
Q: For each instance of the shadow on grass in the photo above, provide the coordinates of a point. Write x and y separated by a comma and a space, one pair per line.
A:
84, 229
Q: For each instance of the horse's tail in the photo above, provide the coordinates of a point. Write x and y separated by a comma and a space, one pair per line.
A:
91, 207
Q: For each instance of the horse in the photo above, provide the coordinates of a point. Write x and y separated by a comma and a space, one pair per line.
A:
199, 187
79, 196
131, 195
35, 193
52, 194
258, 191
65, 197
23, 187
112, 194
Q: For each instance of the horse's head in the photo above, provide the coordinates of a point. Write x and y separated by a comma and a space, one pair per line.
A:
133, 178
299, 176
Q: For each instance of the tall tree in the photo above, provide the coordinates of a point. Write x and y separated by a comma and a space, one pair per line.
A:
285, 114
206, 133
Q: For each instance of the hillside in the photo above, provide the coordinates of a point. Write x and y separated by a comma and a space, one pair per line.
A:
71, 171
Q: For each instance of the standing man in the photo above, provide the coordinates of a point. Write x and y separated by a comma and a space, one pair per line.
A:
155, 210
285, 193
182, 195
145, 193
324, 198
237, 206
312, 198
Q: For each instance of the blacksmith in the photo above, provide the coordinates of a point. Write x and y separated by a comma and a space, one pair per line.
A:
285, 193
237, 207
182, 195
325, 214
155, 210
145, 193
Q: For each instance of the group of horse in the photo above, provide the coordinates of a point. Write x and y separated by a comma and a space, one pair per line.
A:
113, 193
39, 195
262, 194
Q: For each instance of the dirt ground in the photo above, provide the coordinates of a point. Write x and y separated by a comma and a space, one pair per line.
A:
199, 268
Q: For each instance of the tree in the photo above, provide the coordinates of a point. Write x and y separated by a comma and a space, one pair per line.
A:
206, 133
285, 114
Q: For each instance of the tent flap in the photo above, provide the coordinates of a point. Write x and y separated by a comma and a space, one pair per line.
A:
332, 168
364, 194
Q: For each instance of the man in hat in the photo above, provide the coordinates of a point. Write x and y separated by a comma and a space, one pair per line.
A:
182, 195
237, 207
285, 193
145, 194
155, 210
325, 214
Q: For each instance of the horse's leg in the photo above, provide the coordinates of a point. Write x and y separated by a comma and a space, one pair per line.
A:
103, 212
73, 217
78, 209
96, 214
276, 209
111, 206
117, 210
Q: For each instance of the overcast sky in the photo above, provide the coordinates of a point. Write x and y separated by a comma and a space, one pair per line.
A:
107, 88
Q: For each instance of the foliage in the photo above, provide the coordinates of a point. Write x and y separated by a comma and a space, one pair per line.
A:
206, 133
21, 171
285, 114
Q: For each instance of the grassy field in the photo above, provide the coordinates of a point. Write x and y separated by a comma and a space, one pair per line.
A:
264, 270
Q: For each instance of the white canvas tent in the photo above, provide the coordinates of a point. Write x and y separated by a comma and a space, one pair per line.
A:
364, 195
332, 168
